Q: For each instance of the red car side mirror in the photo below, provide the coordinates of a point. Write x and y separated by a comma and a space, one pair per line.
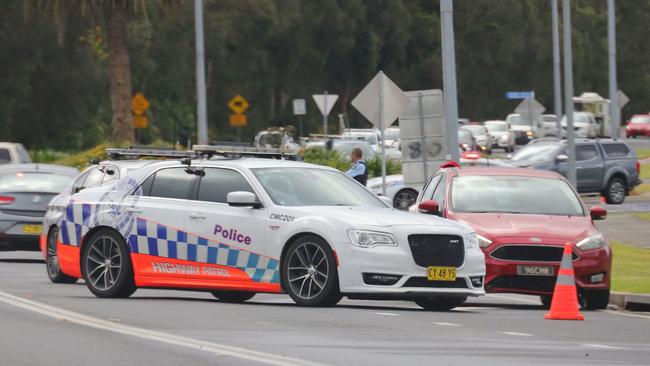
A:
429, 207
598, 213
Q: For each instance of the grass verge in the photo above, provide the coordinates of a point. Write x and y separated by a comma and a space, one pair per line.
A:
630, 268
643, 216
642, 154
641, 189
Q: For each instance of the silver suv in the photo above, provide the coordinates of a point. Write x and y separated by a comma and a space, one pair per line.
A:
603, 166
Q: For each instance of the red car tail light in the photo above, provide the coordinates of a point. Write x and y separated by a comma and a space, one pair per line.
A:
5, 200
638, 167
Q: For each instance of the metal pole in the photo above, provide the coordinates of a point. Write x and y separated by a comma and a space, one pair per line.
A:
381, 129
201, 108
568, 91
325, 116
557, 84
614, 110
449, 77
422, 138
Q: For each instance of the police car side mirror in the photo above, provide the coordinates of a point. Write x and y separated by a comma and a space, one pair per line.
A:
242, 199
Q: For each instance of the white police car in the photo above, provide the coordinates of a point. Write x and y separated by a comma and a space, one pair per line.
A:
236, 227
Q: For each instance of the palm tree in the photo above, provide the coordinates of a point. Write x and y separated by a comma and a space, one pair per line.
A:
114, 14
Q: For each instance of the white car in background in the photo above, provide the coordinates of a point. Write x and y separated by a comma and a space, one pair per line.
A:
11, 152
239, 226
482, 137
370, 135
584, 125
501, 136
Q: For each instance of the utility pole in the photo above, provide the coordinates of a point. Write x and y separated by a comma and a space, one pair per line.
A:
568, 92
557, 83
201, 107
449, 77
614, 106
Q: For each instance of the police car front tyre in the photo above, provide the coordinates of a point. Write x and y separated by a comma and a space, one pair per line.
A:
52, 260
234, 297
309, 273
440, 303
106, 265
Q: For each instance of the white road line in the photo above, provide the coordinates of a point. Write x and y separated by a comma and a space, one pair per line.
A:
445, 324
517, 334
626, 314
199, 345
387, 314
470, 308
601, 346
527, 301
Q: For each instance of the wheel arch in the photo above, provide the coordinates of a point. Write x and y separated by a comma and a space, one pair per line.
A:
292, 240
93, 231
618, 173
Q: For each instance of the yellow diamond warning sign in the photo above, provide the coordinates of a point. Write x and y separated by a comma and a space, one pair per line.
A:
238, 104
139, 104
140, 121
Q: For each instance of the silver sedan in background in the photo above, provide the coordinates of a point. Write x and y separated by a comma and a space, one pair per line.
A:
25, 191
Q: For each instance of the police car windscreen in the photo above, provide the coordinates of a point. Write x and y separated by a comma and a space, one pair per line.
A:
313, 187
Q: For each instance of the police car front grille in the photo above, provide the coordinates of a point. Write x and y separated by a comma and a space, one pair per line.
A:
437, 250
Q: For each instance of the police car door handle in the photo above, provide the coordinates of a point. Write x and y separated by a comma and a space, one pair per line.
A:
198, 216
134, 210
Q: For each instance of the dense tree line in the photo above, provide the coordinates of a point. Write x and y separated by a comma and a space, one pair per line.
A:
55, 89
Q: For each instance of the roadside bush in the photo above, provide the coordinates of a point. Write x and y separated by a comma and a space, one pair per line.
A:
333, 159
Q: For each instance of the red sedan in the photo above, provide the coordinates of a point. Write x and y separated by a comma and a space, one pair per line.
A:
523, 218
638, 125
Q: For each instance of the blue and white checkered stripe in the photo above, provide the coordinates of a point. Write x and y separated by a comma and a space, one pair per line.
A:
155, 239
75, 224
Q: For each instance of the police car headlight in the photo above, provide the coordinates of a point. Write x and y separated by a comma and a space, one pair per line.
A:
483, 242
592, 242
471, 241
369, 239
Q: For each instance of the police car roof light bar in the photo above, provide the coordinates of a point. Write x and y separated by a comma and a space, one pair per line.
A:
242, 151
117, 153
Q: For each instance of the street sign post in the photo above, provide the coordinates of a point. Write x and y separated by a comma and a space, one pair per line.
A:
299, 109
530, 108
325, 102
520, 94
381, 102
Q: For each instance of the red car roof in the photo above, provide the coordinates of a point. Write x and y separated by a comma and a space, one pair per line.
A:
493, 171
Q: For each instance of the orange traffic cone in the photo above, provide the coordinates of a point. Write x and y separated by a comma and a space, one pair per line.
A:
564, 305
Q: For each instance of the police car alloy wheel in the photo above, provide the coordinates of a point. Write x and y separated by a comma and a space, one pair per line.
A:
440, 303
309, 273
52, 260
106, 266
234, 297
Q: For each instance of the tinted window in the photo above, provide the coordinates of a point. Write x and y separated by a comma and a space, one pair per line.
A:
439, 194
170, 183
616, 150
585, 152
217, 183
78, 184
428, 190
5, 157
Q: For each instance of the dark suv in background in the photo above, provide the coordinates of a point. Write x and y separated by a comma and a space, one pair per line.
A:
603, 166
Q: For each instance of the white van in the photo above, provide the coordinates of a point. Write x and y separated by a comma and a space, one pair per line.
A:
11, 152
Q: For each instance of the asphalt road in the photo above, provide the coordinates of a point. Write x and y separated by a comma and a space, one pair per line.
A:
46, 324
